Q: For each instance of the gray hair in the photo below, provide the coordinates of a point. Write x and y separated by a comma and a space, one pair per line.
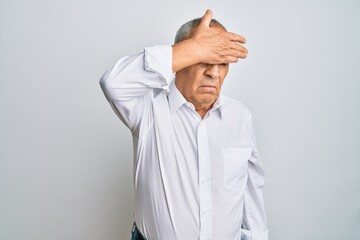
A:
187, 29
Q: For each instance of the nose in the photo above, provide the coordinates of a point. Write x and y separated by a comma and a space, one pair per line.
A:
213, 71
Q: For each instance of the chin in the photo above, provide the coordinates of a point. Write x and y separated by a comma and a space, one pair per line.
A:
208, 99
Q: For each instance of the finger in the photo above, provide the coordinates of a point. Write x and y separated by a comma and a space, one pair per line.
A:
230, 59
206, 19
236, 38
235, 53
238, 47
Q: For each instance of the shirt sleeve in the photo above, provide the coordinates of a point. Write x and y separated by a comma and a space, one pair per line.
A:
130, 85
254, 225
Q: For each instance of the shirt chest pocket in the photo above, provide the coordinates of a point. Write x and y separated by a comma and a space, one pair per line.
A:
235, 167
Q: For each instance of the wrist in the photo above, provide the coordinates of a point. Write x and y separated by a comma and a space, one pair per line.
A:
185, 53
196, 50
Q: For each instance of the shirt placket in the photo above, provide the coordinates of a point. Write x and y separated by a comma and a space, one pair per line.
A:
204, 181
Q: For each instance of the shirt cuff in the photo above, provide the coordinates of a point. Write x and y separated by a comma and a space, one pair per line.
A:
251, 235
159, 59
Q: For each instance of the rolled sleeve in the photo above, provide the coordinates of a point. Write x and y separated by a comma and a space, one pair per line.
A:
159, 59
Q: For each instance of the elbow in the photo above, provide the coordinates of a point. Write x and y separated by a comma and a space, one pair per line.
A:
105, 85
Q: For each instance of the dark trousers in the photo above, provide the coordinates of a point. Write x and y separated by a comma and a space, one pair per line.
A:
136, 234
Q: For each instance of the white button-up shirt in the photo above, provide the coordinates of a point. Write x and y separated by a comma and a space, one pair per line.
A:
194, 178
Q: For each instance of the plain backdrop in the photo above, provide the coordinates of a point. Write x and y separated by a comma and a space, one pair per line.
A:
66, 159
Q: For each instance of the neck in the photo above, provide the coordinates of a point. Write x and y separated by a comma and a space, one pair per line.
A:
202, 109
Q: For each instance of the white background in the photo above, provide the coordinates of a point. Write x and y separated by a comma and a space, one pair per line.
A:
66, 159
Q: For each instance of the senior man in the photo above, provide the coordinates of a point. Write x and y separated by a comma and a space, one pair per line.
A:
197, 172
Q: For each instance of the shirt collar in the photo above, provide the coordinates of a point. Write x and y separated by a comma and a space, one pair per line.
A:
176, 100
218, 105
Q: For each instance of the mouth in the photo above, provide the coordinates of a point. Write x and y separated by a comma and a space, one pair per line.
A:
208, 88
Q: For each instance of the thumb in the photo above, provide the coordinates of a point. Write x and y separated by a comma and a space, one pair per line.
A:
206, 19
